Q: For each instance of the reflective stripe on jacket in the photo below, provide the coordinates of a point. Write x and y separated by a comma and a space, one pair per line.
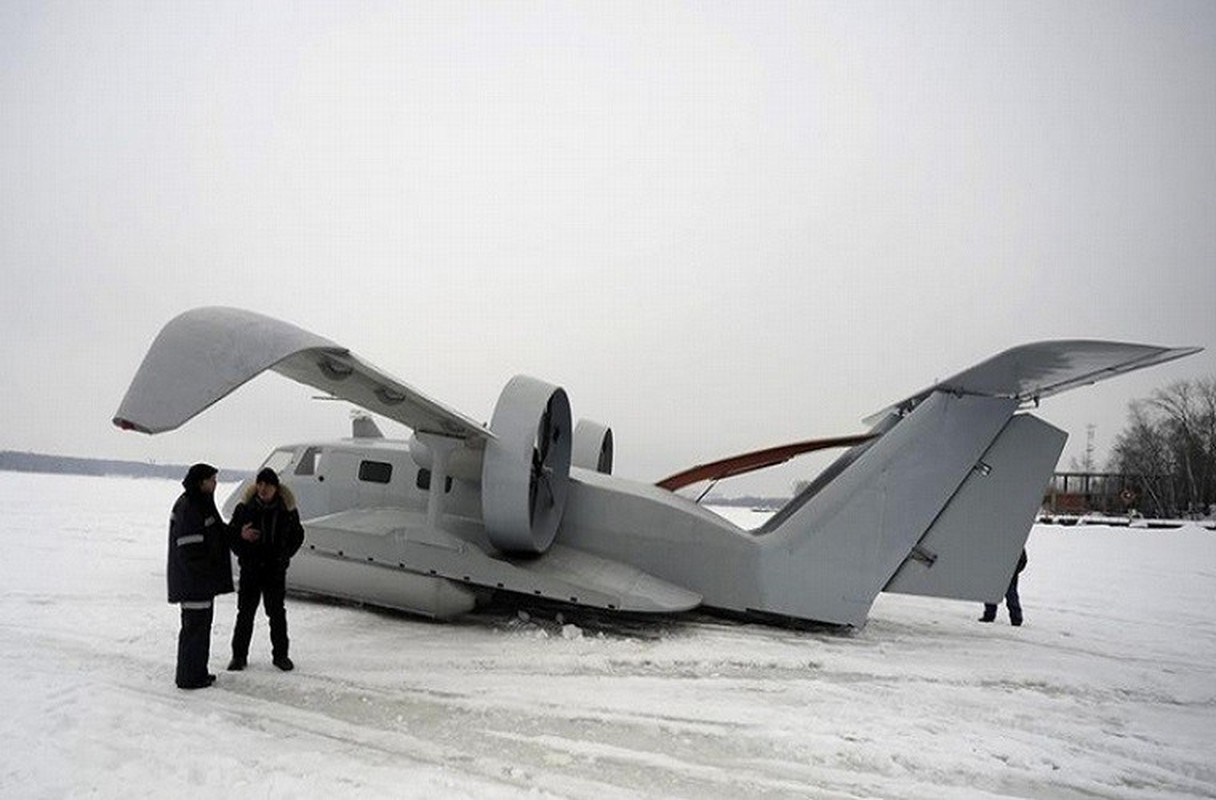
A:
198, 564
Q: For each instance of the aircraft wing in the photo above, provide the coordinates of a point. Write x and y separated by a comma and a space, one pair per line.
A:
203, 355
1033, 371
398, 538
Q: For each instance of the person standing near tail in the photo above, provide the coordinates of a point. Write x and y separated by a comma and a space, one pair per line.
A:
265, 532
1012, 602
199, 568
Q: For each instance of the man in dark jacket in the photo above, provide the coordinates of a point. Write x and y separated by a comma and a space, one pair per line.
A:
265, 532
199, 568
1012, 601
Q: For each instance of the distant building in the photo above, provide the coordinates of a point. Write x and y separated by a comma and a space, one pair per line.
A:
1094, 493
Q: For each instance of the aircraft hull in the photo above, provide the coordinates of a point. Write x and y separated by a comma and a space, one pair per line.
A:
381, 586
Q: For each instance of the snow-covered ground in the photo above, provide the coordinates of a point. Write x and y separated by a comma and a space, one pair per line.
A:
1108, 691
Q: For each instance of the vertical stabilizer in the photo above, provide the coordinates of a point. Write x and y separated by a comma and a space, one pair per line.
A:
364, 427
829, 557
970, 551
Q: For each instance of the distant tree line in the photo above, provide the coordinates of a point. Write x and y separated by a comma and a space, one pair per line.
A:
12, 461
1169, 449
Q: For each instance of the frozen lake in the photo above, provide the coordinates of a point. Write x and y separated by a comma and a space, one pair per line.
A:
1107, 691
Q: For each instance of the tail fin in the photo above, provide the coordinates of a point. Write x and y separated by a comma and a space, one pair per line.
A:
830, 552
941, 503
970, 550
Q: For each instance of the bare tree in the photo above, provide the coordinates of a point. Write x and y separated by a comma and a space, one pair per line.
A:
1140, 453
1170, 445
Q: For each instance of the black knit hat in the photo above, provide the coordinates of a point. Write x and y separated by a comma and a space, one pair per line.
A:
197, 474
268, 477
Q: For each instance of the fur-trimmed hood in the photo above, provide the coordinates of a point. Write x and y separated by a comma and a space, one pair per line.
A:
288, 497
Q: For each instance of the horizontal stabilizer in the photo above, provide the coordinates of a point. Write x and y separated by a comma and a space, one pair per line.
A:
1031, 372
399, 539
203, 355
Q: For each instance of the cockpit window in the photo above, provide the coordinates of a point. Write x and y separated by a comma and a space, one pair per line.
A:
310, 461
278, 460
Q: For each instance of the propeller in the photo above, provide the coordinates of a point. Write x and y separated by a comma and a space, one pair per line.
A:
547, 434
525, 469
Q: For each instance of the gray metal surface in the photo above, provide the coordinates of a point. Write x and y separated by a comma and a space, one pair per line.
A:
663, 534
396, 539
1031, 372
592, 446
951, 480
975, 542
524, 479
203, 355
829, 560
347, 579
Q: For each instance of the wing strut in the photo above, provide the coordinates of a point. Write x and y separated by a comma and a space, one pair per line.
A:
441, 448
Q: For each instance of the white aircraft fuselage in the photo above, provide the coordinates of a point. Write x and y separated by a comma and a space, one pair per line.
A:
936, 499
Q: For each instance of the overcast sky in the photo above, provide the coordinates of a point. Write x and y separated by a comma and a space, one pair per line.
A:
720, 226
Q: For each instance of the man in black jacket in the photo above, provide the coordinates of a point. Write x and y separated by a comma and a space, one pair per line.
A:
199, 568
265, 532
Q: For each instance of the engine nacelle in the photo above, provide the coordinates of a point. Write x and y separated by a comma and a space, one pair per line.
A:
592, 446
526, 467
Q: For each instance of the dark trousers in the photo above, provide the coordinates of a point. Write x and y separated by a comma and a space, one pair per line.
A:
194, 645
267, 584
1012, 602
